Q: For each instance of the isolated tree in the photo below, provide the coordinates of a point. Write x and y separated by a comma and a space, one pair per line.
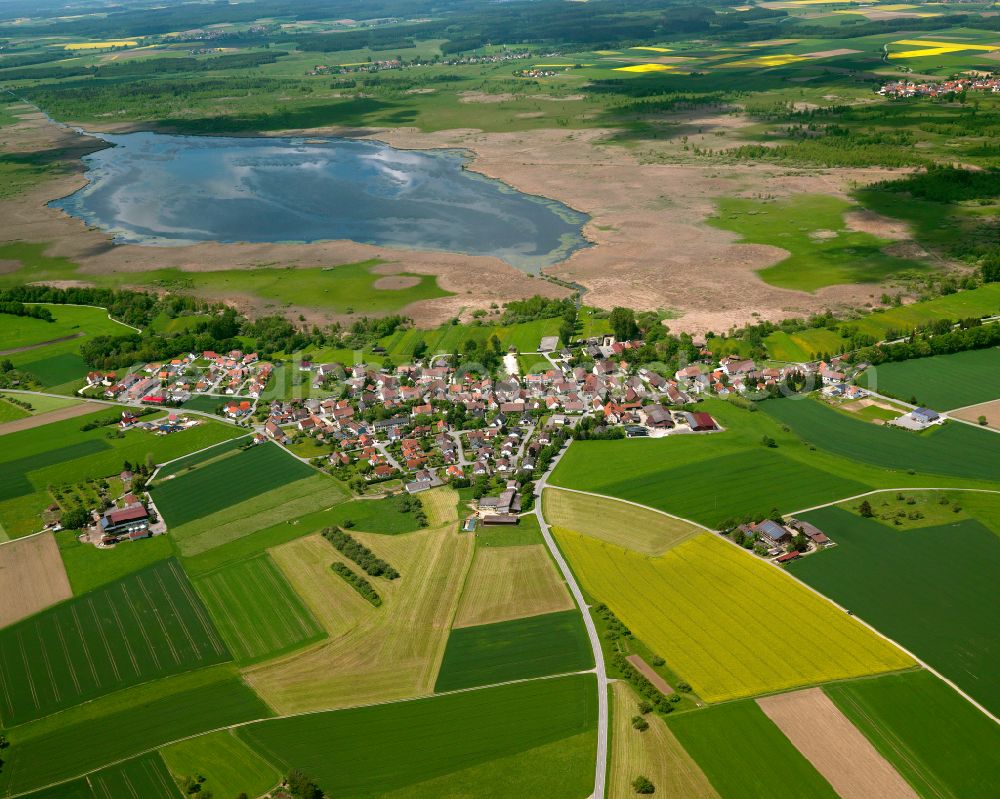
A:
643, 785
302, 787
982, 421
866, 509
639, 723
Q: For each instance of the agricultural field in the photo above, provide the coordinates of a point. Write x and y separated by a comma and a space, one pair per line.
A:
909, 510
11, 413
654, 753
941, 382
143, 717
257, 613
32, 577
941, 744
712, 738
144, 776
114, 637
952, 565
511, 583
197, 460
619, 523
525, 533
228, 765
61, 453
426, 739
89, 567
224, 483
688, 607
554, 643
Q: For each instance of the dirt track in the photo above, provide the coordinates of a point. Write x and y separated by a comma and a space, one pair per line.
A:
69, 412
27, 347
829, 741
646, 671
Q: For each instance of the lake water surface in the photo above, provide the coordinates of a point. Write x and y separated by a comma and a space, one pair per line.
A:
153, 188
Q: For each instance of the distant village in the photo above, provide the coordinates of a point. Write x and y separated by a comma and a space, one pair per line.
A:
909, 88
382, 65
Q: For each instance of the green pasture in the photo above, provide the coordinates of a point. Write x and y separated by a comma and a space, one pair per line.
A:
822, 250
11, 413
226, 482
89, 567
940, 743
942, 382
228, 765
953, 566
718, 738
147, 625
803, 346
257, 612
954, 450
43, 404
206, 403
908, 510
126, 723
553, 643
425, 739
525, 532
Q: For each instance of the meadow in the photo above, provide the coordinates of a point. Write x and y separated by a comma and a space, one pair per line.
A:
257, 613
427, 738
228, 765
109, 639
89, 567
953, 566
942, 382
224, 483
11, 413
554, 643
179, 466
713, 737
689, 606
941, 744
142, 718
823, 251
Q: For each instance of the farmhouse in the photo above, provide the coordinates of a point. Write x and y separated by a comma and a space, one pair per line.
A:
131, 521
771, 532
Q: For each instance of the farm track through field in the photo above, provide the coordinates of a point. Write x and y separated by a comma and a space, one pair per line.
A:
27, 347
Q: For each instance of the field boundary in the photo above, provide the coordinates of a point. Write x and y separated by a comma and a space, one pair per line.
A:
886, 491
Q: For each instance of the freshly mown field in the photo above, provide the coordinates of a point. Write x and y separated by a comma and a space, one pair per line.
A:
60, 452
227, 482
429, 738
941, 382
126, 723
32, 577
273, 513
939, 742
524, 533
147, 625
953, 567
510, 583
555, 643
616, 522
956, 450
256, 611
228, 765
654, 753
691, 607
89, 567
718, 739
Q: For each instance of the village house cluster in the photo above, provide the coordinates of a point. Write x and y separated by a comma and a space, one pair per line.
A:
909, 88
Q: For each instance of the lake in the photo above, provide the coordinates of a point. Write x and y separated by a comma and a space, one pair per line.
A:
151, 188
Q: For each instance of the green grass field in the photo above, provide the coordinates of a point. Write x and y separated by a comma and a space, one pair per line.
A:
147, 625
942, 382
554, 643
941, 744
256, 610
690, 607
955, 450
227, 482
198, 459
126, 723
822, 250
11, 413
425, 739
953, 567
744, 754
89, 567
228, 765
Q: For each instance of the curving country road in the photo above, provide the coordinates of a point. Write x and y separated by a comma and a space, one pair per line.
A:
600, 770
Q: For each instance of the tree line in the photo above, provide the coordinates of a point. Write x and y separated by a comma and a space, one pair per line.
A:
351, 548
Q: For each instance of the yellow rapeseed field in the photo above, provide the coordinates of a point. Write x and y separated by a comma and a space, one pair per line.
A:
931, 48
726, 622
645, 68
101, 45
777, 60
653, 49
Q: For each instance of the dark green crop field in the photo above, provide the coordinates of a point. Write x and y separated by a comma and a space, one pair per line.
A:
146, 777
957, 450
226, 482
198, 459
931, 589
719, 739
937, 740
147, 625
942, 382
379, 749
554, 643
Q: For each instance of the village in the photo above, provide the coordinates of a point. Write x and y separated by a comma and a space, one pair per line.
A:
909, 88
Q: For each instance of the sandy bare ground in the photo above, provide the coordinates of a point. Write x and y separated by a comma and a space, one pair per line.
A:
396, 282
829, 741
58, 415
991, 410
867, 402
32, 577
864, 221
649, 205
646, 671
